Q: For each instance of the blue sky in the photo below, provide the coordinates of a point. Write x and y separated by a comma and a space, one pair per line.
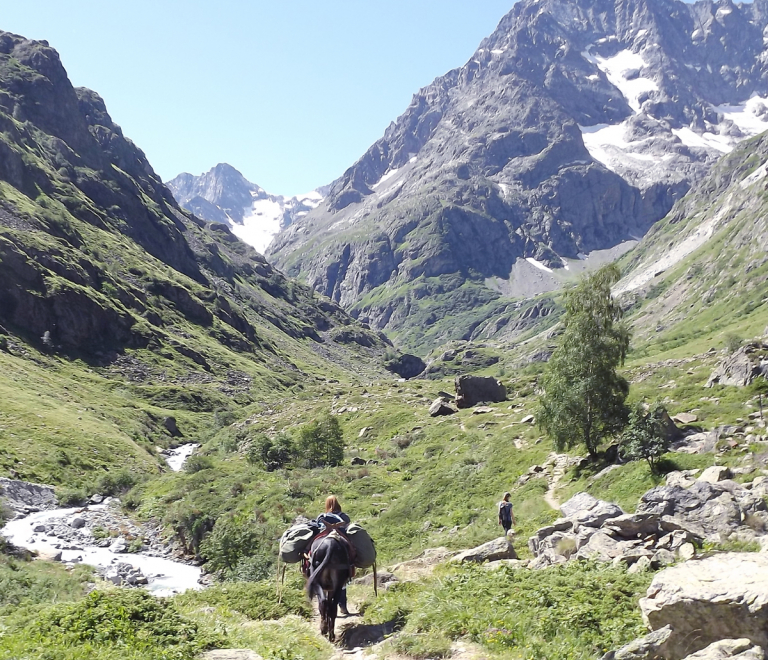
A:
289, 92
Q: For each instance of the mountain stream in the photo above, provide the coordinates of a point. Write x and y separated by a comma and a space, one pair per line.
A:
69, 531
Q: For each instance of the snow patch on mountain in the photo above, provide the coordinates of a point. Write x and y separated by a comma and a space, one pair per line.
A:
623, 72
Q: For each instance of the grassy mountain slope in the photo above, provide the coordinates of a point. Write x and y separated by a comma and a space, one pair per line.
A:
117, 308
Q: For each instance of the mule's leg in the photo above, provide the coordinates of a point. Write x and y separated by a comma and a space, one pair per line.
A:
322, 609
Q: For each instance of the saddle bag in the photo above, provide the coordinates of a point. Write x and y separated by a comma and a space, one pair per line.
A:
365, 550
295, 541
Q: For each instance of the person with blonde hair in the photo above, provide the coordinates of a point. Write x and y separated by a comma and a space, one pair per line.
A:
333, 506
506, 515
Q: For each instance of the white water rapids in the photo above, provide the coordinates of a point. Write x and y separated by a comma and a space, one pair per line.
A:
165, 576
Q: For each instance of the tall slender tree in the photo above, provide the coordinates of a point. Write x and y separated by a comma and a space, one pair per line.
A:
583, 400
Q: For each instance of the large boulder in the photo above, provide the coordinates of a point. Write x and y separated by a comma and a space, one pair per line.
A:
736, 649
742, 367
720, 597
586, 509
471, 390
494, 550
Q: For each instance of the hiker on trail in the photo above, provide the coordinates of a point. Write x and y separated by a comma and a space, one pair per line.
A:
333, 514
506, 515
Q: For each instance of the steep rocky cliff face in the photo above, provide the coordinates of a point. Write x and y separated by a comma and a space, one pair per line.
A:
96, 256
224, 195
573, 128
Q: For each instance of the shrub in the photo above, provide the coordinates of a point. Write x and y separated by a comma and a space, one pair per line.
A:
733, 342
258, 601
240, 549
197, 463
125, 618
272, 454
645, 437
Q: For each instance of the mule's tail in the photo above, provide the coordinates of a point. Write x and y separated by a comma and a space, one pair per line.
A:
318, 570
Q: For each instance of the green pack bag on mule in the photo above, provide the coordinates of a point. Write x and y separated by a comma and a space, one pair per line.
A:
294, 542
365, 550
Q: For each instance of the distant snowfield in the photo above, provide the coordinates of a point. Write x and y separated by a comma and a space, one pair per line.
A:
264, 217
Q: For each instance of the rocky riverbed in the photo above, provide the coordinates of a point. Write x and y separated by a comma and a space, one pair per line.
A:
99, 534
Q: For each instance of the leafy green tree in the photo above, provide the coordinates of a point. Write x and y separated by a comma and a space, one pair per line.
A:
583, 400
645, 436
321, 442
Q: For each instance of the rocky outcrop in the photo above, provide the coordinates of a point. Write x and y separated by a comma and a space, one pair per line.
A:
669, 522
406, 366
711, 510
742, 367
24, 497
471, 390
720, 597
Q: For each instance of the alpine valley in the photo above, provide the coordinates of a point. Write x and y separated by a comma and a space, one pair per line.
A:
188, 369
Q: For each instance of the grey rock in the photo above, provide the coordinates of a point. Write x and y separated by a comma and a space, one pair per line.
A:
687, 551
642, 564
720, 597
742, 367
650, 647
494, 550
588, 510
49, 554
382, 577
715, 473
77, 522
633, 525
471, 390
119, 545
662, 557
704, 506
440, 408
741, 649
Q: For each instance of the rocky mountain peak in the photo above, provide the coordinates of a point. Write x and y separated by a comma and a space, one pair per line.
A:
571, 130
224, 195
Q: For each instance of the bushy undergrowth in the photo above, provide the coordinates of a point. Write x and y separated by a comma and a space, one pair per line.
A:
258, 601
110, 624
573, 612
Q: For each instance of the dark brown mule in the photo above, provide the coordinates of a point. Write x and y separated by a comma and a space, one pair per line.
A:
329, 570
